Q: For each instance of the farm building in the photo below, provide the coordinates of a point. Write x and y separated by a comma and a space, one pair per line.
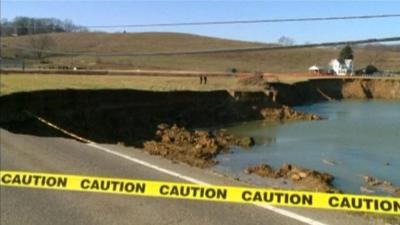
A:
341, 67
315, 69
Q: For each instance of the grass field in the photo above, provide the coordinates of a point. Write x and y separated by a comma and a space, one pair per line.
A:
29, 82
296, 60
20, 82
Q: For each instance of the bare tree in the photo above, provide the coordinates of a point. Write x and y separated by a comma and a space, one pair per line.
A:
286, 41
41, 43
28, 25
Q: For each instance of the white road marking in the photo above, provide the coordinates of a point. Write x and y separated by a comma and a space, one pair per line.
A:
196, 181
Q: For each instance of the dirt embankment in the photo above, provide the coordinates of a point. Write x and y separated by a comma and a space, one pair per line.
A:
317, 90
132, 116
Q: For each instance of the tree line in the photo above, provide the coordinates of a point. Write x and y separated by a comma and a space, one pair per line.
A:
28, 25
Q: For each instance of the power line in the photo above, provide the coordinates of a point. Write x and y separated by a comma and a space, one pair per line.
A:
248, 21
307, 19
208, 51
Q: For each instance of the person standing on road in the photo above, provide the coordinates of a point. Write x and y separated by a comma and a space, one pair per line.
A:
201, 79
205, 79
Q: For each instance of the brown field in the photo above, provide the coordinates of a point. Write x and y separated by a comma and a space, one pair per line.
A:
296, 60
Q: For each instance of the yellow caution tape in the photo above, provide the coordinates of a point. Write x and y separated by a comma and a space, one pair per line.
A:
347, 202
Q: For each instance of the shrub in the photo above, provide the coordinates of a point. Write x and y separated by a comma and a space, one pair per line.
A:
231, 70
371, 69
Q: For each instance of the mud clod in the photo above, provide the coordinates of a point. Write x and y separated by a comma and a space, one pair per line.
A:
286, 113
305, 178
196, 148
376, 184
245, 142
263, 170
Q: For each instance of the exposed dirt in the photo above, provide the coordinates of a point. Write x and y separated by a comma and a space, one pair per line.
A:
305, 178
196, 148
318, 90
285, 113
374, 184
131, 116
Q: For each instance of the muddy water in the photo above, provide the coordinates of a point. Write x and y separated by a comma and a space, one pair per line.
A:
361, 137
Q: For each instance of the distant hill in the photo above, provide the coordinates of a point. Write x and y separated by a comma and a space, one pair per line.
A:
297, 60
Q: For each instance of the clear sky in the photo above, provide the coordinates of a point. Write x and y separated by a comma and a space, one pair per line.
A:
142, 12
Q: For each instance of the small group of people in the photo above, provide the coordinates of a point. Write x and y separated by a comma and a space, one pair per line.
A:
203, 79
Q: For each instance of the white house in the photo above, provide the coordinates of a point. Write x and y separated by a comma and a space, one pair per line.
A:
341, 67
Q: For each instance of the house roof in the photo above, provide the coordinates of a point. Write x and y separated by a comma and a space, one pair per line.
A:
341, 61
348, 63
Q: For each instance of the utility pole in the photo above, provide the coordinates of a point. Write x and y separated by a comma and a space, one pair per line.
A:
72, 63
23, 64
15, 30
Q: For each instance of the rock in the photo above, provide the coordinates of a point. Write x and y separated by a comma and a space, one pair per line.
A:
165, 138
302, 174
387, 183
329, 162
198, 146
315, 117
162, 126
263, 170
199, 133
245, 142
371, 181
222, 131
159, 133
284, 170
295, 177
327, 177
366, 190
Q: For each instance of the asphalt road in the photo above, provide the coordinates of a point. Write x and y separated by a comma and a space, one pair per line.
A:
61, 155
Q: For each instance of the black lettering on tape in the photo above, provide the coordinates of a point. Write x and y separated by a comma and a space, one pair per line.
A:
35, 180
355, 203
112, 185
6, 178
289, 198
333, 202
278, 197
193, 192
396, 206
246, 196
